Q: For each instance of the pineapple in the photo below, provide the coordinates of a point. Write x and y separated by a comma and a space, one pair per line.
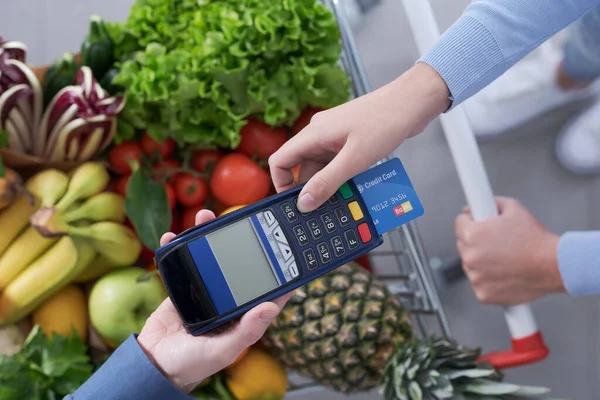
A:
348, 332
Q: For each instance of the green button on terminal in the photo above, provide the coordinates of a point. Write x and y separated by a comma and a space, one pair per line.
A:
345, 191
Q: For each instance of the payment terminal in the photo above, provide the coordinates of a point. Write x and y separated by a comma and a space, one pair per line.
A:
217, 271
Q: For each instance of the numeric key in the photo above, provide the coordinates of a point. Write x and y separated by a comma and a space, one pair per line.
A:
296, 203
324, 252
301, 235
311, 259
328, 222
338, 246
289, 212
315, 229
334, 199
342, 216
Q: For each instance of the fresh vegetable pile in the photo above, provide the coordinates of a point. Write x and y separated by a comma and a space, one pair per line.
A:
73, 121
194, 71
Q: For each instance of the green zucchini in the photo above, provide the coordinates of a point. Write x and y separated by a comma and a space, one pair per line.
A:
97, 48
107, 82
60, 74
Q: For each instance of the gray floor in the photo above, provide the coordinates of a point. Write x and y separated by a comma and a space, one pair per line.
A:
521, 165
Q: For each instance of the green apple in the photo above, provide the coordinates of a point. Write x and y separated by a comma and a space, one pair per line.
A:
119, 305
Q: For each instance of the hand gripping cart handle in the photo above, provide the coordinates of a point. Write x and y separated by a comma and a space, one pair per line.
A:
527, 342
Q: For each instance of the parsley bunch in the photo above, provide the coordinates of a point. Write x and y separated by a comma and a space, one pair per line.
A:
45, 368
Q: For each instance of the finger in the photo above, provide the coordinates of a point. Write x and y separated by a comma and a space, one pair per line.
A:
324, 183
289, 155
204, 216
503, 203
251, 328
166, 238
282, 301
462, 225
308, 169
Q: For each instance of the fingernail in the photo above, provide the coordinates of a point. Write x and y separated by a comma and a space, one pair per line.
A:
268, 316
306, 202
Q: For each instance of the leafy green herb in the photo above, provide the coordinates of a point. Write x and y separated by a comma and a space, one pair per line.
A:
195, 70
147, 206
45, 368
214, 390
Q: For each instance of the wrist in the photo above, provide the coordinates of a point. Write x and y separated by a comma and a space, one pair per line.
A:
148, 347
427, 92
546, 260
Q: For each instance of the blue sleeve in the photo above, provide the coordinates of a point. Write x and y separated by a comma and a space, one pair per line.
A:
128, 374
579, 262
492, 35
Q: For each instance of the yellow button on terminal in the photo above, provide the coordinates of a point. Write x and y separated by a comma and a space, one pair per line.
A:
355, 210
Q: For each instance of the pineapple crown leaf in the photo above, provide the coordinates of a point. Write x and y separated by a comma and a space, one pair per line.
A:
443, 370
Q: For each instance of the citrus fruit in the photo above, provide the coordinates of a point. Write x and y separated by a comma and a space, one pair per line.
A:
63, 312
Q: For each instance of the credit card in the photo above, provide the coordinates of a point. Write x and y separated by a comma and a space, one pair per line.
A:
389, 195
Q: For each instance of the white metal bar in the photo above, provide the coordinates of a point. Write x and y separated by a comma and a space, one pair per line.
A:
466, 155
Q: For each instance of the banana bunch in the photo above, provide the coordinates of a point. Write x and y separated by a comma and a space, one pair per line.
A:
63, 228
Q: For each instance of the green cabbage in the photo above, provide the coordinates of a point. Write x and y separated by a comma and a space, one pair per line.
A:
194, 70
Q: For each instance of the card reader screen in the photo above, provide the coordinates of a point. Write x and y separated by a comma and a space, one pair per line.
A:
243, 261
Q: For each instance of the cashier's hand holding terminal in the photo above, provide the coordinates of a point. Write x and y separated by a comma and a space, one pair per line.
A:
187, 360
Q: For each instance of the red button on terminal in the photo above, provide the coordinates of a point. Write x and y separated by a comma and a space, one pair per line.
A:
364, 232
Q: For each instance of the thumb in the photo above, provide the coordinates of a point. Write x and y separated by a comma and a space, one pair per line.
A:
327, 181
251, 328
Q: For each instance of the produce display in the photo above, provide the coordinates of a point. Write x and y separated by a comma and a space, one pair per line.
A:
78, 122
174, 110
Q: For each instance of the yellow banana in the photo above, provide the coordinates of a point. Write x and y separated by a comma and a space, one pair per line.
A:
105, 206
16, 217
117, 242
44, 188
28, 246
87, 180
98, 267
48, 274
48, 185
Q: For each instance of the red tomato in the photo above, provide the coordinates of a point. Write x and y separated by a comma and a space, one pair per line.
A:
304, 119
203, 160
121, 185
161, 169
150, 146
146, 255
260, 140
190, 190
170, 195
175, 221
189, 216
120, 155
237, 179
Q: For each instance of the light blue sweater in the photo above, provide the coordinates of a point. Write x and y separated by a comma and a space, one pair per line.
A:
490, 37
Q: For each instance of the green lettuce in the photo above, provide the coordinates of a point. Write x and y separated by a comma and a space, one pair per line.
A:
195, 70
